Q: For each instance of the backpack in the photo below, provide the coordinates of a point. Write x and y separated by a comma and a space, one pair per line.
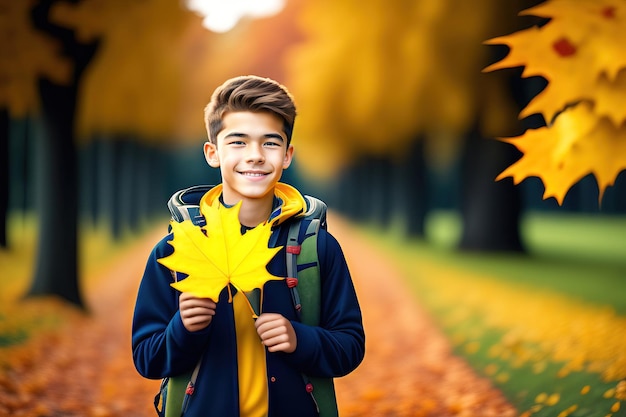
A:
175, 392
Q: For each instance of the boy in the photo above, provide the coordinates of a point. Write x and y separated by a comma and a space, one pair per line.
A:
250, 367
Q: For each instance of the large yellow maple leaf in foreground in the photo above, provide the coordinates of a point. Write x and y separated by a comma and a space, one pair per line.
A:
222, 256
581, 52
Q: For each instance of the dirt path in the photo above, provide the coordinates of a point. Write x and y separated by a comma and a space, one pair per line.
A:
123, 392
408, 369
85, 369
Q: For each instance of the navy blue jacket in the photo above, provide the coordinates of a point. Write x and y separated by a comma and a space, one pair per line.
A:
163, 347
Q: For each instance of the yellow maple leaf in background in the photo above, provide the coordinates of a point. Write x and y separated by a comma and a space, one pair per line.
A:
221, 257
595, 27
581, 52
610, 98
577, 47
532, 49
576, 145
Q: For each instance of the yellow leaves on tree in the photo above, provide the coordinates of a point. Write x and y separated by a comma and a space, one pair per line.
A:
134, 85
222, 256
26, 55
399, 72
581, 52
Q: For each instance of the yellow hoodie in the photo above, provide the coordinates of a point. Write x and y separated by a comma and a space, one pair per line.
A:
252, 376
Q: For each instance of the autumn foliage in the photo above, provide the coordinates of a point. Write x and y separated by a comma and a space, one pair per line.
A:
581, 53
25, 55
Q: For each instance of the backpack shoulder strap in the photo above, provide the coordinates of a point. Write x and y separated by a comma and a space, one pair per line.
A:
302, 261
303, 269
175, 391
185, 204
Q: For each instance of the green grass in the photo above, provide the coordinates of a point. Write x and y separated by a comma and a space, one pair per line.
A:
547, 327
581, 256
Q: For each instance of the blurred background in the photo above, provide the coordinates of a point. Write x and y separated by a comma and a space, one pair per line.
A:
101, 112
101, 120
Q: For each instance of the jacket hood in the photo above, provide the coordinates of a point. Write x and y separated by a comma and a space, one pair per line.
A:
290, 202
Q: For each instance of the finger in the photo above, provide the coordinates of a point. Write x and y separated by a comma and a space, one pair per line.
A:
267, 317
197, 311
198, 319
185, 296
194, 327
281, 343
270, 333
188, 311
275, 340
268, 320
268, 326
281, 347
188, 297
198, 303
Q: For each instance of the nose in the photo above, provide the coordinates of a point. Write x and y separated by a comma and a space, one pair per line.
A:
255, 154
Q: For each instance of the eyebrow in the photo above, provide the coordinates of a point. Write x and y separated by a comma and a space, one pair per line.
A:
266, 136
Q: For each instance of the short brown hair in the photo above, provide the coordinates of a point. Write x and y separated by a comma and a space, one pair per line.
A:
249, 93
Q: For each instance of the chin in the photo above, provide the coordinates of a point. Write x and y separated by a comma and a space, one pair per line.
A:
250, 193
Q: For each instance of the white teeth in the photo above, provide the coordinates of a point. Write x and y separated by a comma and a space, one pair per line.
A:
252, 174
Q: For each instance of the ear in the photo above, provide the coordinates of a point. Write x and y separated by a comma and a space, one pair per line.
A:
210, 154
288, 157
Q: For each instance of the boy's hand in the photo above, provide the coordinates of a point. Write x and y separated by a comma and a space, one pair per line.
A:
195, 312
276, 332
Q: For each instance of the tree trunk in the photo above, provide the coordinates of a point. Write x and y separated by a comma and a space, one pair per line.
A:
415, 189
4, 176
88, 182
144, 187
105, 187
56, 267
118, 186
490, 210
21, 166
351, 190
129, 187
380, 196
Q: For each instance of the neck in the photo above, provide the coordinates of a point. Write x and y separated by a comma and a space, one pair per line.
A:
254, 211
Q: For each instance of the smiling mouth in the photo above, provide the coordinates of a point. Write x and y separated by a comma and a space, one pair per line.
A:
253, 174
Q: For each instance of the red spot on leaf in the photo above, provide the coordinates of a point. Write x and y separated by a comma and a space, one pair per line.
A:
609, 12
564, 47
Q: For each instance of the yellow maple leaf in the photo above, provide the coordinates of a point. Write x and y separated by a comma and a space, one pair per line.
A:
610, 96
595, 25
221, 257
584, 40
576, 145
530, 48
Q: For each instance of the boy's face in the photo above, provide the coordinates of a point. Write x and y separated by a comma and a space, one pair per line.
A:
251, 153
